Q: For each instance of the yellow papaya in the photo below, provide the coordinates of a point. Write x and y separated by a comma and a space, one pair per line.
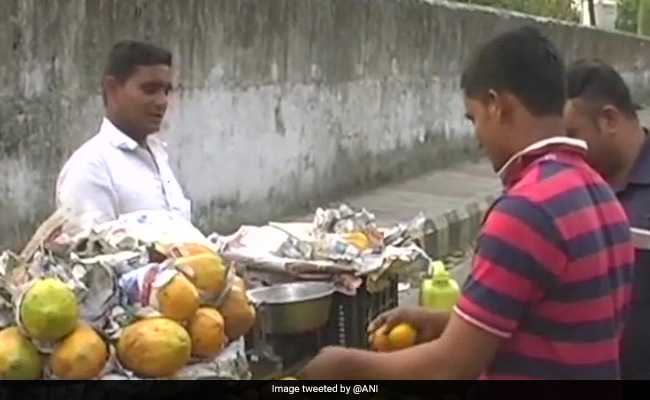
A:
154, 347
206, 271
19, 358
238, 314
206, 329
178, 299
81, 355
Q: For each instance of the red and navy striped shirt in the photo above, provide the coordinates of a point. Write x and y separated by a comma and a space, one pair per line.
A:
552, 271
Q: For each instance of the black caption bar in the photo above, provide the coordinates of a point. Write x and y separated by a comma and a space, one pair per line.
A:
262, 390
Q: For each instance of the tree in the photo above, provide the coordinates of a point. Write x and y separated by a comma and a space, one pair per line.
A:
627, 15
643, 23
592, 12
558, 9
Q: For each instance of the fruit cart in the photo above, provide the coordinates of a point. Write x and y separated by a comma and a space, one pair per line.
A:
153, 298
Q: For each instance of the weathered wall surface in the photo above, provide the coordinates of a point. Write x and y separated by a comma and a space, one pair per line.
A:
279, 103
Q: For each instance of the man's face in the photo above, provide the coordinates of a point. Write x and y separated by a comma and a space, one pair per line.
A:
581, 124
140, 102
487, 130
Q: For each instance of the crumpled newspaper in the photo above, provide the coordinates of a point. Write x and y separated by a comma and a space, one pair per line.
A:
99, 291
394, 261
94, 285
261, 241
343, 220
136, 231
10, 264
230, 363
120, 263
413, 231
319, 251
333, 247
266, 248
139, 288
56, 230
330, 227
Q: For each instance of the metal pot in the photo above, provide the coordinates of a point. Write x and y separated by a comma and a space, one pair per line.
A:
293, 308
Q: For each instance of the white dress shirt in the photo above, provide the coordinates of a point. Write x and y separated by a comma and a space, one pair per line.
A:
111, 174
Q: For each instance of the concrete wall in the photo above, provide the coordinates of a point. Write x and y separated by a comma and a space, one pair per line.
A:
280, 103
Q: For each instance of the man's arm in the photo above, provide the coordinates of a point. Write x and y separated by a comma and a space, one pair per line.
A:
462, 352
519, 256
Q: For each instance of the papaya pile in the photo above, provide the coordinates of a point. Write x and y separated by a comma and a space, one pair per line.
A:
197, 313
197, 316
190, 325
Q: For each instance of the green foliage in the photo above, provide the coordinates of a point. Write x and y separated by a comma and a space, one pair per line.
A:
643, 21
558, 9
627, 15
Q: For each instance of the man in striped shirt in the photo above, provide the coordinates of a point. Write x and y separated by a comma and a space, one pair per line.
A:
550, 283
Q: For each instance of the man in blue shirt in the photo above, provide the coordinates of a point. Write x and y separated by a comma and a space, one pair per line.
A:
600, 111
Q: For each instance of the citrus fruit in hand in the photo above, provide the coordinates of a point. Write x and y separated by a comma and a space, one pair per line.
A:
379, 341
401, 336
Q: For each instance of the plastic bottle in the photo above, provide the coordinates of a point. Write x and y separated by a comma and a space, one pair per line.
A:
439, 292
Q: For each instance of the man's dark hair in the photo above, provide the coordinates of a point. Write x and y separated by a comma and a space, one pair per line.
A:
127, 55
599, 84
523, 62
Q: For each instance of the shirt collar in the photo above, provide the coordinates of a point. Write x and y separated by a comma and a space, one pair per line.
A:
122, 141
641, 172
155, 140
116, 137
511, 169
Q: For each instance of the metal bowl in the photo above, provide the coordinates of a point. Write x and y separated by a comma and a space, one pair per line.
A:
293, 308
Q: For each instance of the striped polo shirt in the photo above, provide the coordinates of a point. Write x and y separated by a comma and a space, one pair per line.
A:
552, 270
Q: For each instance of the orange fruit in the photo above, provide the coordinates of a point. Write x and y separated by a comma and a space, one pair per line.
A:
178, 299
206, 271
402, 336
80, 355
154, 347
238, 314
379, 341
206, 328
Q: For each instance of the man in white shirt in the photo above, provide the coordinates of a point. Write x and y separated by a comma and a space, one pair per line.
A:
124, 167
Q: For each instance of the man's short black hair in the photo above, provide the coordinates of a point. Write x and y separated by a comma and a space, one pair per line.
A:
126, 56
523, 62
598, 83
